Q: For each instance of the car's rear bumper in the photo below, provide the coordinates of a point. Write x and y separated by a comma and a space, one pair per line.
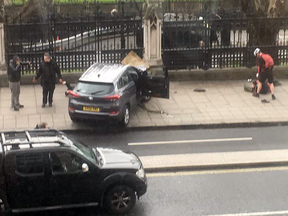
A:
79, 114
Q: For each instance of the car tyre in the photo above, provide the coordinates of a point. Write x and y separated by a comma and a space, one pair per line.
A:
120, 199
73, 119
126, 117
146, 98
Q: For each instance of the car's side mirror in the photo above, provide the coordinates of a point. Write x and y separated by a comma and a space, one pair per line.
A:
85, 167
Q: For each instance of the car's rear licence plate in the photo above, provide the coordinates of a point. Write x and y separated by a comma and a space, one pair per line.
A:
91, 109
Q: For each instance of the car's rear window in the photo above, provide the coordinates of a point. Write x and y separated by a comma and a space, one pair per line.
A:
94, 88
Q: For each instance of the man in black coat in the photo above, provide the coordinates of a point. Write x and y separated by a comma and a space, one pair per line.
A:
14, 76
47, 71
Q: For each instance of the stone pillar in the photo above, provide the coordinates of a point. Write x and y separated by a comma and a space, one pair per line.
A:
152, 30
2, 45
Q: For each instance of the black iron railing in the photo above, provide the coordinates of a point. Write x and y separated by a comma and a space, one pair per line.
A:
75, 43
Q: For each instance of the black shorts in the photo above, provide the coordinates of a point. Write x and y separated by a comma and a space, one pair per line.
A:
266, 74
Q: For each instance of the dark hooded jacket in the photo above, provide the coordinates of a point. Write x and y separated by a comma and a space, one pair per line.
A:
48, 71
14, 71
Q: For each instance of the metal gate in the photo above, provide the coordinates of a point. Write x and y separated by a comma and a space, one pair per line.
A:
75, 43
224, 40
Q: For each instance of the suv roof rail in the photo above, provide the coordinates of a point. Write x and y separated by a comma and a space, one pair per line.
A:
14, 137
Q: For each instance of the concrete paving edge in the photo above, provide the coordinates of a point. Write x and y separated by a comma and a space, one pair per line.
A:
216, 167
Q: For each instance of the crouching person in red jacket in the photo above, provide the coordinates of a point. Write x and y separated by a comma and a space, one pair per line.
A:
265, 71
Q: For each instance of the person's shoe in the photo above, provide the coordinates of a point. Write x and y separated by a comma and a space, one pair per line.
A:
16, 109
50, 105
273, 97
256, 95
43, 105
21, 106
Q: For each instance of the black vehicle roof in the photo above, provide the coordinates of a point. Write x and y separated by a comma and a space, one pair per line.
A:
33, 139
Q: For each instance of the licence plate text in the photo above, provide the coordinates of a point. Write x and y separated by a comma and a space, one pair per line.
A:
91, 109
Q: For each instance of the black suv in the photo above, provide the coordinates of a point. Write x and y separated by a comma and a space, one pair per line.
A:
46, 170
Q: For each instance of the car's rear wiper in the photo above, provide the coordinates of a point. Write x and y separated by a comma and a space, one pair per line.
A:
96, 92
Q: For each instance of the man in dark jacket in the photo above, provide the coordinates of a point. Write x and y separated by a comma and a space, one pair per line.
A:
14, 76
47, 71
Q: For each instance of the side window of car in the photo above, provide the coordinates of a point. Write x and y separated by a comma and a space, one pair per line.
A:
65, 162
30, 164
124, 80
120, 83
134, 74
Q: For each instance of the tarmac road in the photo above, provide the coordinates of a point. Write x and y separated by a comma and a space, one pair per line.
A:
226, 192
182, 141
243, 192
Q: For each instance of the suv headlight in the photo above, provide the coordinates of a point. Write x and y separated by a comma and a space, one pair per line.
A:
141, 173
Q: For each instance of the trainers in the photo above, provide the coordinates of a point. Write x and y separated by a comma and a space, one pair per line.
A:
273, 97
50, 105
21, 106
256, 95
43, 105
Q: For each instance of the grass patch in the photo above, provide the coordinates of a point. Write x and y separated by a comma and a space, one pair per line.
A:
21, 2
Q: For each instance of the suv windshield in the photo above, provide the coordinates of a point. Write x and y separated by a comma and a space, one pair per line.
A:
86, 151
94, 88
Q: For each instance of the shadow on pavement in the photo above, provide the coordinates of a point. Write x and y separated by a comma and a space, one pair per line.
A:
101, 127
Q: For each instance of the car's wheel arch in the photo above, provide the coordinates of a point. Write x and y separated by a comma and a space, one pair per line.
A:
113, 181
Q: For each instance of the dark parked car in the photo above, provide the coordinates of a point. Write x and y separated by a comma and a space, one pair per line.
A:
111, 91
46, 170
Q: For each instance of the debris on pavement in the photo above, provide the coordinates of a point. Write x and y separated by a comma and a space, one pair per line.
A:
142, 105
199, 90
265, 101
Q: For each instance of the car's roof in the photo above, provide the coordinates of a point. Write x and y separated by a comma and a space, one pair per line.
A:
104, 73
33, 139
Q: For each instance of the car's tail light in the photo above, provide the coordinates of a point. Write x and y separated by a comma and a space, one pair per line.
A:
71, 109
113, 97
114, 113
73, 94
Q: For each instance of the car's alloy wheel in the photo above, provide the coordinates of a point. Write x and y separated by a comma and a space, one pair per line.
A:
126, 116
120, 199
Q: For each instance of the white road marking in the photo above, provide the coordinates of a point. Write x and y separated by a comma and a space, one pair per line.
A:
190, 141
209, 172
285, 212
